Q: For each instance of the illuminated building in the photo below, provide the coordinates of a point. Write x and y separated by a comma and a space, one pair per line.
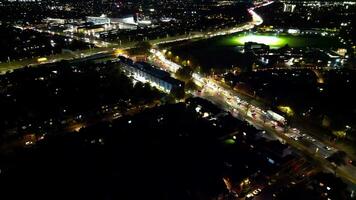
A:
288, 7
99, 20
91, 30
127, 19
147, 73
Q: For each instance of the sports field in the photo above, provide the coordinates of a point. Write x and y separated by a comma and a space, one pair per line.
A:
281, 40
222, 52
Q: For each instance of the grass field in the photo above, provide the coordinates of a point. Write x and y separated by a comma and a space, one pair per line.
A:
223, 51
280, 40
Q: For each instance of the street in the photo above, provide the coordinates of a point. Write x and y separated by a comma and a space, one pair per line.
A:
230, 101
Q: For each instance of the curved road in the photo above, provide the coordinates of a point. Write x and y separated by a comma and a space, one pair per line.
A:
111, 47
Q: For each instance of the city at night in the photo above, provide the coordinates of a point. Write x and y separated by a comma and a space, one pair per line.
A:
178, 99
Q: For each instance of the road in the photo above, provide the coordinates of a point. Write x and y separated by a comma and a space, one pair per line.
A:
111, 47
230, 101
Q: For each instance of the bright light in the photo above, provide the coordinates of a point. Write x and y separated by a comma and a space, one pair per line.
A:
247, 181
230, 141
293, 31
268, 40
118, 52
287, 110
205, 115
339, 134
42, 59
173, 67
198, 109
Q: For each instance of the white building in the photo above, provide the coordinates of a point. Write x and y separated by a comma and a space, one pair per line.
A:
99, 20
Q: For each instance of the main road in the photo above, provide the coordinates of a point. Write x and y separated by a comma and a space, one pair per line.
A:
219, 94
105, 47
230, 101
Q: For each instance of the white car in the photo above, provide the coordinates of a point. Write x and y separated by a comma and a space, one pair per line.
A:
257, 191
328, 148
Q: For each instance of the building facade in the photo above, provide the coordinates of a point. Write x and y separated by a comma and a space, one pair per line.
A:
146, 73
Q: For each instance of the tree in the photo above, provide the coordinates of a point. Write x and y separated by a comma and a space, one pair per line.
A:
184, 73
178, 93
248, 61
190, 85
338, 158
141, 48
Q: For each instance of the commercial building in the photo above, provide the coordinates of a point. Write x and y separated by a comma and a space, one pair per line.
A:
91, 29
57, 21
146, 73
98, 20
125, 22
126, 19
288, 7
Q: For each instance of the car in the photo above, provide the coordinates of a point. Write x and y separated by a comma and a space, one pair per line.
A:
328, 148
116, 115
256, 191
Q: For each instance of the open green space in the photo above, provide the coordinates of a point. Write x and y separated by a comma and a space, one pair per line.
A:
224, 52
279, 40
